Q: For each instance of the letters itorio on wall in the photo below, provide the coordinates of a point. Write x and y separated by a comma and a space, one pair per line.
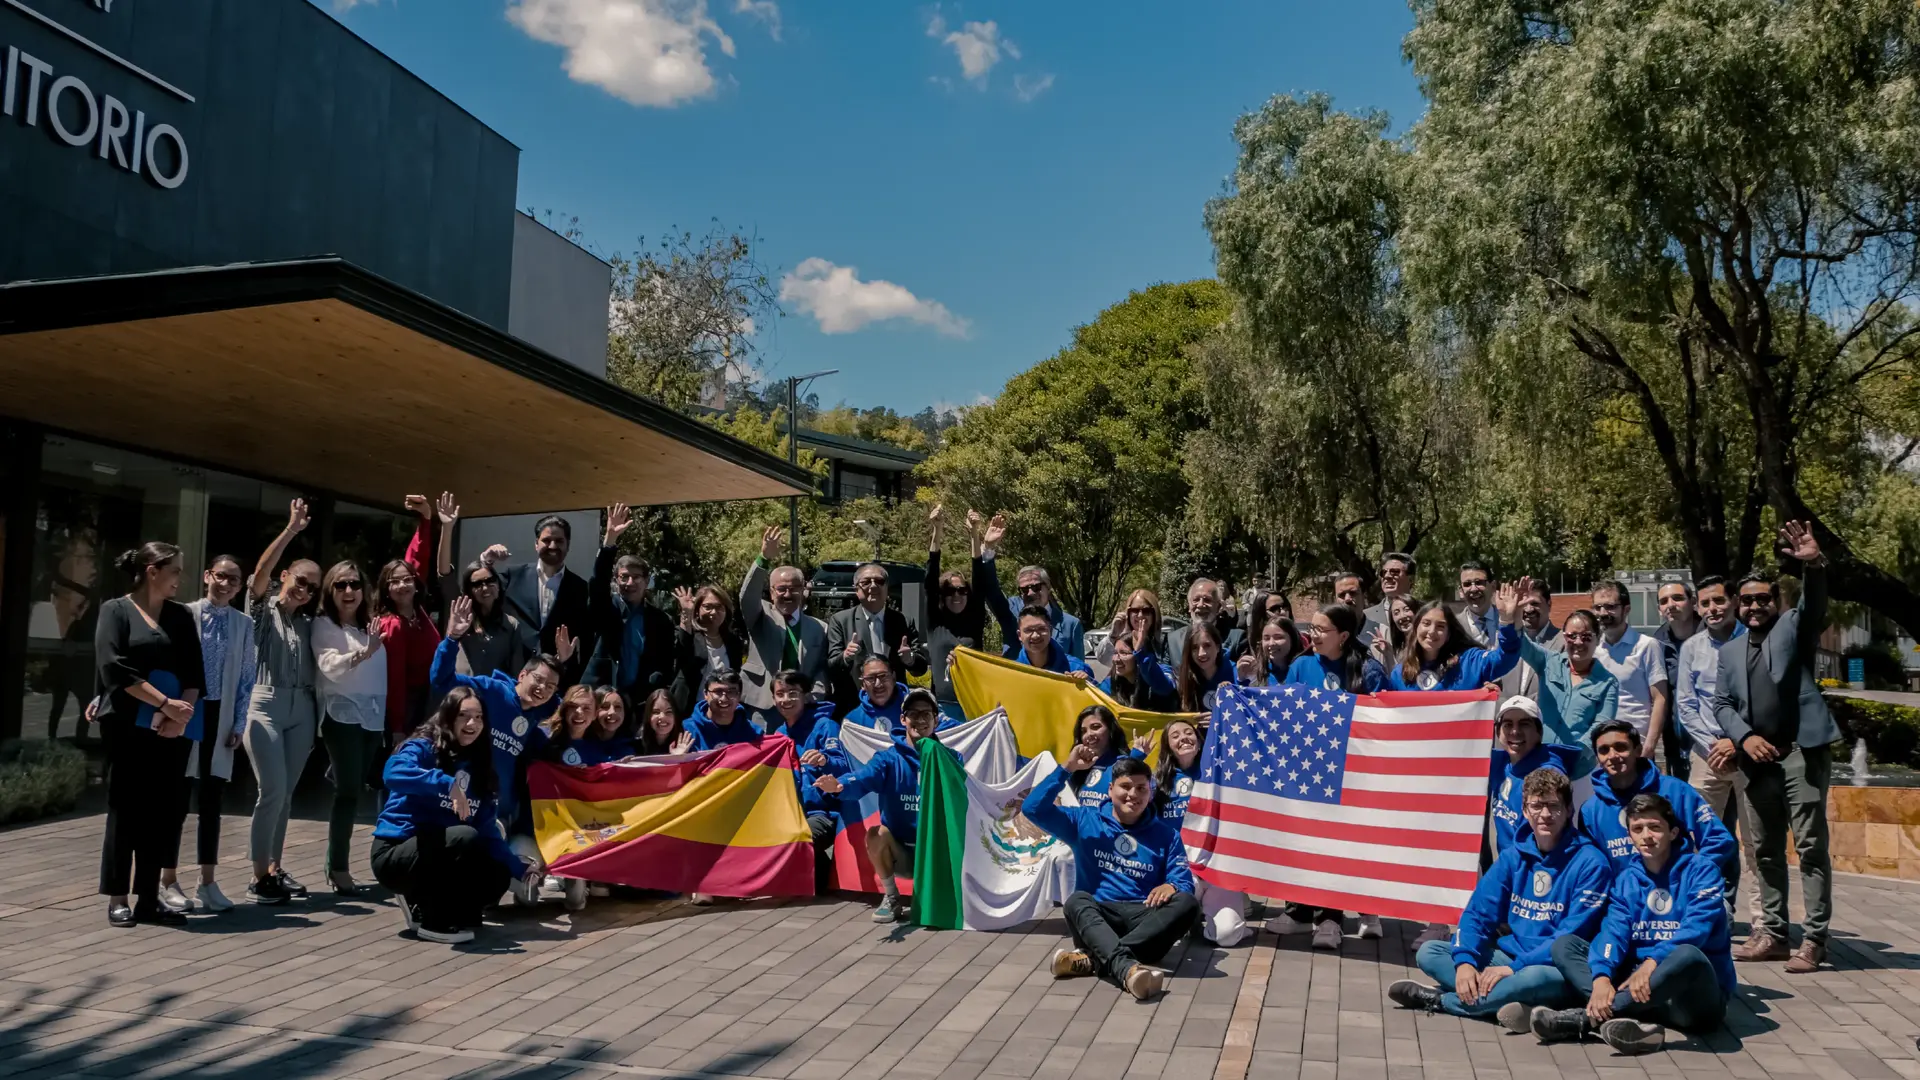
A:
38, 95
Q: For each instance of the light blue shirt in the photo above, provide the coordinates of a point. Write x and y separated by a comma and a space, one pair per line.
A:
1569, 711
1699, 670
217, 637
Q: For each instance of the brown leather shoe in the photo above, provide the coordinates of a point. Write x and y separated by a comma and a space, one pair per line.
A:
1760, 946
1807, 959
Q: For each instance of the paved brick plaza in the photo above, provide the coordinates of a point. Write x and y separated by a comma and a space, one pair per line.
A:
806, 991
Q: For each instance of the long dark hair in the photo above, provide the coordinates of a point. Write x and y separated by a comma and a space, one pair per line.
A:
644, 740
136, 562
1286, 624
603, 694
1115, 739
1189, 678
1134, 693
383, 603
1166, 772
477, 757
1353, 658
1457, 643
488, 621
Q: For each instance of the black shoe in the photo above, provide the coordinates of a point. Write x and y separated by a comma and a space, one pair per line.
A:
267, 890
119, 915
1414, 994
292, 887
1633, 1036
155, 914
1559, 1025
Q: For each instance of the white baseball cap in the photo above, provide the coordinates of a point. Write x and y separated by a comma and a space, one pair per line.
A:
1523, 705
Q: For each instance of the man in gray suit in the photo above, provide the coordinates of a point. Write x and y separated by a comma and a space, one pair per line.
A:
1780, 734
870, 628
779, 634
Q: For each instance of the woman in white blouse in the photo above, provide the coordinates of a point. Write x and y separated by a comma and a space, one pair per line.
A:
353, 704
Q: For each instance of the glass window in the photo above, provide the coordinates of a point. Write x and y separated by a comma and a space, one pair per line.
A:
96, 502
369, 536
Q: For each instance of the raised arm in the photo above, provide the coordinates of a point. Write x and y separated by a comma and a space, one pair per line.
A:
1797, 542
996, 600
262, 582
448, 512
930, 590
753, 591
416, 556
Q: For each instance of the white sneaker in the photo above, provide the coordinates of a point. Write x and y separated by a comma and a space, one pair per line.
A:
446, 937
523, 896
1284, 924
1370, 928
599, 891
553, 886
211, 898
575, 894
1435, 931
1327, 935
174, 898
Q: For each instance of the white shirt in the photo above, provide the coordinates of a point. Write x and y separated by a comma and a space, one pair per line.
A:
549, 588
1635, 661
350, 693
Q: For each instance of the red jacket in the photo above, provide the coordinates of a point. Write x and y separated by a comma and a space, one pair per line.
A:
410, 644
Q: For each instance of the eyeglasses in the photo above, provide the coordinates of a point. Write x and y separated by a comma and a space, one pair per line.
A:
1577, 639
225, 578
919, 714
876, 679
345, 586
1601, 605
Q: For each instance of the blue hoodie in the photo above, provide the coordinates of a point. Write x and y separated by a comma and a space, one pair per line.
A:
1507, 779
815, 730
1604, 818
420, 795
884, 718
1149, 670
1473, 669
1173, 801
1651, 914
592, 751
513, 729
1312, 669
708, 735
1059, 660
1110, 860
892, 774
1537, 897
1093, 792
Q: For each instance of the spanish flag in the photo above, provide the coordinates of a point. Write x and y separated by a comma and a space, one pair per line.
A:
1041, 705
725, 821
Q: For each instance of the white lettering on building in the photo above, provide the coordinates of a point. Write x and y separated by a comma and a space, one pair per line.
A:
102, 123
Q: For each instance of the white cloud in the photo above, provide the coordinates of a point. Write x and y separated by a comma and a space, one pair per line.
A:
978, 45
644, 52
1028, 87
842, 303
764, 10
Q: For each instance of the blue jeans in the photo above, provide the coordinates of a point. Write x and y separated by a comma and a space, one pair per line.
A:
1686, 991
1538, 984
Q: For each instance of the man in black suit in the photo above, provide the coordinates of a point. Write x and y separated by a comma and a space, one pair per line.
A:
870, 628
546, 594
633, 647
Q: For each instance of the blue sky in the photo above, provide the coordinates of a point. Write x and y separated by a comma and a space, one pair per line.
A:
1010, 167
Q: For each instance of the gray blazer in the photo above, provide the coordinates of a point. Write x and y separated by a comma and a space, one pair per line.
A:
767, 642
1788, 650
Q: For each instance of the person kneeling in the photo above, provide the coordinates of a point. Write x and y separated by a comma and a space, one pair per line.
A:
1552, 883
1666, 928
894, 775
1133, 896
438, 843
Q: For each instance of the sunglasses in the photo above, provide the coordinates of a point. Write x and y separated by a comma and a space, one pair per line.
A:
307, 584
347, 586
956, 590
1139, 611
864, 582
1577, 639
482, 583
1033, 588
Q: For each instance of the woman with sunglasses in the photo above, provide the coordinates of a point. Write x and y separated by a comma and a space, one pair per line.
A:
499, 640
349, 653
283, 710
956, 612
148, 678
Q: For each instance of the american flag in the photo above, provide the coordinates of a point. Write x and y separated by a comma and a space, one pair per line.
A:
1370, 804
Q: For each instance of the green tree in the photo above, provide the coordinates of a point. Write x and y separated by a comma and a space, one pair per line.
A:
684, 315
1693, 218
1084, 450
1331, 434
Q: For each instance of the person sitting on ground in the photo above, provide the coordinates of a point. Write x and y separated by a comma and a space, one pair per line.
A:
1666, 932
1133, 896
1623, 774
880, 696
1223, 912
1439, 655
720, 719
1040, 648
816, 743
1518, 754
573, 739
892, 774
661, 731
1550, 883
1097, 729
437, 843
1136, 685
515, 709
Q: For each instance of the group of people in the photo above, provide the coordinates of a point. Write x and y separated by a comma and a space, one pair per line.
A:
533, 662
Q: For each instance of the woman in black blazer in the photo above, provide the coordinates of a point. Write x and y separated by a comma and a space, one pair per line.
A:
147, 683
705, 638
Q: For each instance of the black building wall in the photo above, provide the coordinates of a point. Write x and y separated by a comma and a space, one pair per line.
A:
301, 140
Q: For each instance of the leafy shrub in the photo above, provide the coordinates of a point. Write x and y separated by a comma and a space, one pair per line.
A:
38, 778
1892, 731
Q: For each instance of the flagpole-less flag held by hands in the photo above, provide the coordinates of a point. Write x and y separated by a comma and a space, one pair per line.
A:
1373, 803
724, 821
1041, 705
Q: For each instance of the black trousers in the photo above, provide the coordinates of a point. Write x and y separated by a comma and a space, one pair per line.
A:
1686, 992
1119, 934
449, 873
823, 828
1676, 745
202, 795
146, 805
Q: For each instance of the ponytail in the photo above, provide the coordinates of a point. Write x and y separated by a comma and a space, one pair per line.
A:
135, 561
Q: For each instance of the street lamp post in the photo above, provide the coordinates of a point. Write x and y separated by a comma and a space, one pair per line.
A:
793, 455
